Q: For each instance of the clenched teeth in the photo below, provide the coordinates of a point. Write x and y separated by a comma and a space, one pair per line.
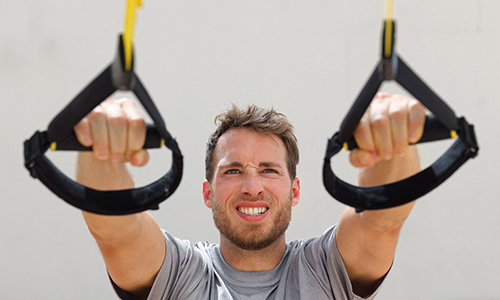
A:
252, 211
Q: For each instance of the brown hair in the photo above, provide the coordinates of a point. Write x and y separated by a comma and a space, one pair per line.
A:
261, 120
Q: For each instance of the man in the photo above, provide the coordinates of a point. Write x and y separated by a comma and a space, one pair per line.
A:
251, 187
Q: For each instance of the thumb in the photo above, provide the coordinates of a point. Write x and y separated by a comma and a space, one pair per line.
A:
139, 158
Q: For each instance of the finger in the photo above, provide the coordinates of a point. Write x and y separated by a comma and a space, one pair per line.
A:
117, 129
380, 126
99, 132
363, 134
416, 121
399, 124
136, 127
362, 159
82, 132
139, 158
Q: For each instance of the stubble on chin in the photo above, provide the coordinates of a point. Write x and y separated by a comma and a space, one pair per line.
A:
254, 236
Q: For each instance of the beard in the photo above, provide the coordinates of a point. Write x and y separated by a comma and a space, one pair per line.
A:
253, 236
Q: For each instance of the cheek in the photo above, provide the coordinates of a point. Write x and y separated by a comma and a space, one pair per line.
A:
223, 194
227, 187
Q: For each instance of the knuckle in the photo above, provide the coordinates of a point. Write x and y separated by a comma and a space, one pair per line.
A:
82, 125
96, 114
381, 95
379, 122
378, 100
397, 114
117, 121
362, 129
136, 123
415, 105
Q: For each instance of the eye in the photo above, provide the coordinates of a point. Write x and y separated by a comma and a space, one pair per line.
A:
270, 171
232, 171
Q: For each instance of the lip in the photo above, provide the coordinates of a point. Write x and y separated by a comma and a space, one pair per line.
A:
252, 205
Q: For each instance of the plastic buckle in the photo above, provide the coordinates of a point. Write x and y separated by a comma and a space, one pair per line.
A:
468, 136
122, 79
36, 146
389, 63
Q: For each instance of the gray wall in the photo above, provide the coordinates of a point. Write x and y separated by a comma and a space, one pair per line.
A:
305, 58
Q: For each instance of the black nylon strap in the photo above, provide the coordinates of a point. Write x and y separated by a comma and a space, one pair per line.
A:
92, 95
103, 202
421, 91
141, 93
398, 193
360, 105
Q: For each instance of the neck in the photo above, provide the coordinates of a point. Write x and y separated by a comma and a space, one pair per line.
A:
253, 260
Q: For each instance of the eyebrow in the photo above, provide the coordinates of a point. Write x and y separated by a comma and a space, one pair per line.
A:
238, 164
269, 164
232, 164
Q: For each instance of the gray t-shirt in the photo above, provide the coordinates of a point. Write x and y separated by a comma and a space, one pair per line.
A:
311, 269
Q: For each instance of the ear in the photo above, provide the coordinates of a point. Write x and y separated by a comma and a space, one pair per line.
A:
295, 191
207, 192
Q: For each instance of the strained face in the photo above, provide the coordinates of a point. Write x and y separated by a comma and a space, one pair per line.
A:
251, 193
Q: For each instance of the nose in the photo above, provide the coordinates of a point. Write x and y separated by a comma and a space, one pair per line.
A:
252, 185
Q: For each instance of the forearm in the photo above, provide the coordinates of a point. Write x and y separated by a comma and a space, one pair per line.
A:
106, 175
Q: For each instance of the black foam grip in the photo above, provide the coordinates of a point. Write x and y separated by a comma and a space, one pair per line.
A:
434, 130
70, 142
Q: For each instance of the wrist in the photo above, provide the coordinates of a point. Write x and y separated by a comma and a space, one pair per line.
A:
102, 174
394, 169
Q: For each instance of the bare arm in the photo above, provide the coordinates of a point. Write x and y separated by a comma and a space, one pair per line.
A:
367, 240
132, 246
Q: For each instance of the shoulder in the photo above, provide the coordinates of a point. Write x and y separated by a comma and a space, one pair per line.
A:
325, 241
182, 250
185, 268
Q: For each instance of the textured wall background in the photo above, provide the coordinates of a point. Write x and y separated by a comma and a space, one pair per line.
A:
305, 58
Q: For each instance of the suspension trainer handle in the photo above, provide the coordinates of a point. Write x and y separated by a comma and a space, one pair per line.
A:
434, 130
71, 143
441, 124
60, 135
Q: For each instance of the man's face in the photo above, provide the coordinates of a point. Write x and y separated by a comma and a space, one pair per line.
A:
251, 193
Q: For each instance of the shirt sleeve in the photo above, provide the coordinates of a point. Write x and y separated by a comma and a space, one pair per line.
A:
122, 294
183, 267
325, 254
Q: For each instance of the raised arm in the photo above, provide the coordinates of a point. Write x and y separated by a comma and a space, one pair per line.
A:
367, 240
132, 246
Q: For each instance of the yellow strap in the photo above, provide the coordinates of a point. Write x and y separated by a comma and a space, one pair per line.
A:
388, 29
128, 31
453, 134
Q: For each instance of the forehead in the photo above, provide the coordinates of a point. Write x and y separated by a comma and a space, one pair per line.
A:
247, 145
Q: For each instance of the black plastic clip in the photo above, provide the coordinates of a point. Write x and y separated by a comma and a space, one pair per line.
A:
388, 67
122, 79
